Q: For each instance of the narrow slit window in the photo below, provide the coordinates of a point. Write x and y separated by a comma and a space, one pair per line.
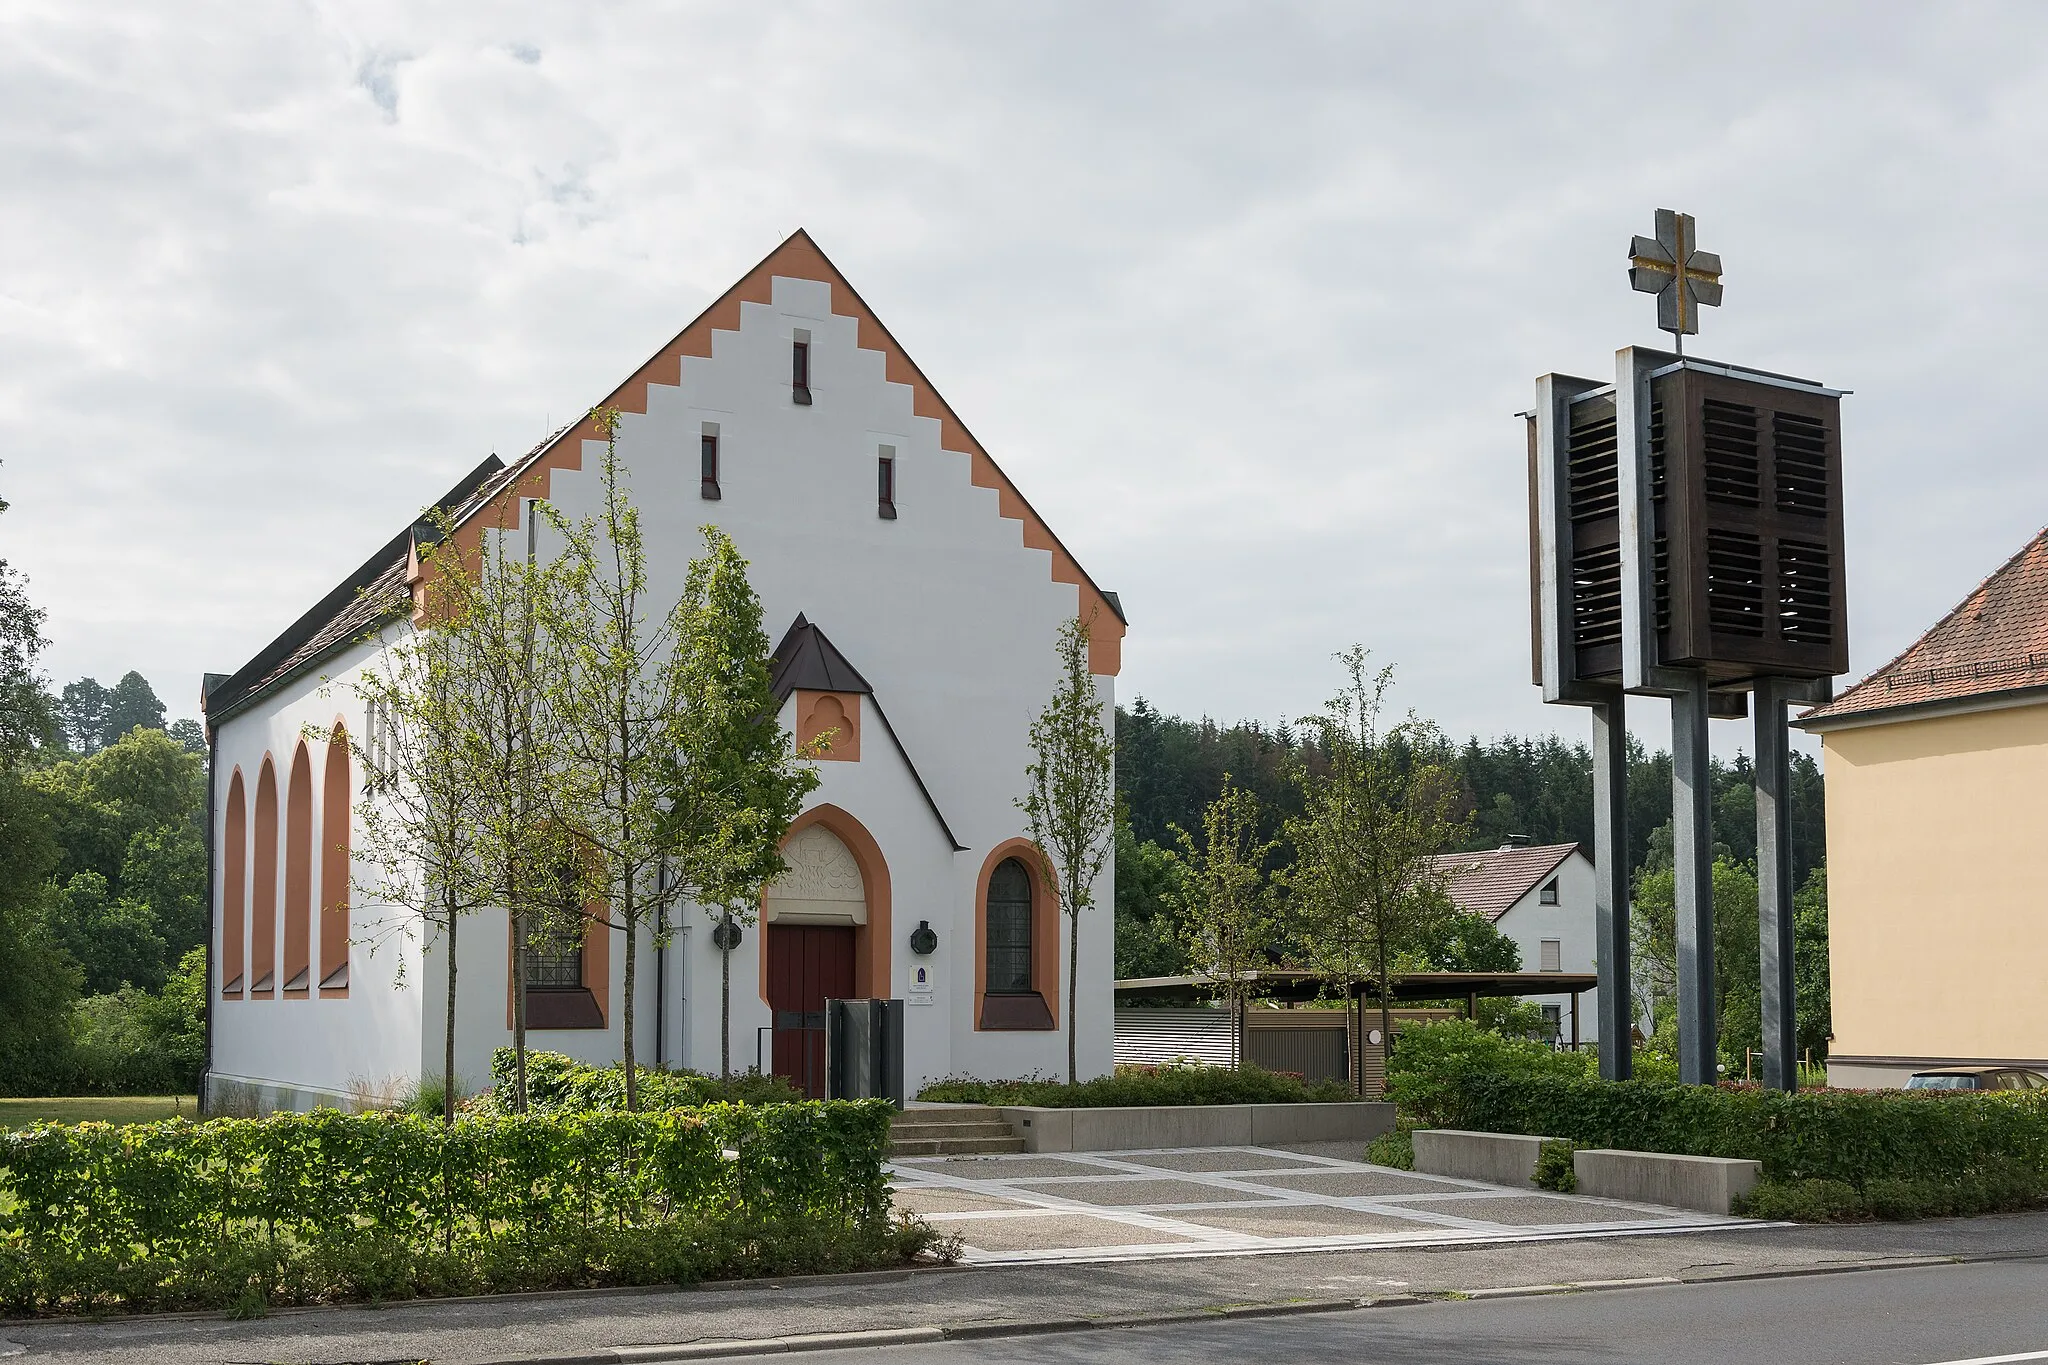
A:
708, 463
885, 484
800, 368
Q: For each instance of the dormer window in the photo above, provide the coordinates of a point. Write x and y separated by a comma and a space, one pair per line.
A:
800, 368
708, 463
885, 484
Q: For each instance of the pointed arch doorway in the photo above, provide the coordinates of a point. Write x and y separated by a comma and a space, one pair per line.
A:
816, 916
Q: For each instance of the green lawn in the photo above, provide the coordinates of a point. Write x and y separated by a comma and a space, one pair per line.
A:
107, 1108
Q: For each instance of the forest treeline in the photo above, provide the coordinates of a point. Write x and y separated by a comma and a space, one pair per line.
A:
1515, 789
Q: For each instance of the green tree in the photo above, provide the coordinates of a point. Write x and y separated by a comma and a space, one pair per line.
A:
1147, 928
1453, 940
143, 781
418, 806
1363, 886
190, 734
1738, 999
114, 940
739, 779
625, 703
1070, 799
1810, 963
492, 599
1227, 918
39, 982
132, 704
27, 722
165, 869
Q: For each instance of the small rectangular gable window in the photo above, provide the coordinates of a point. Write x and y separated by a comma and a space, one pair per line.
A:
885, 484
800, 368
1548, 896
1553, 955
708, 448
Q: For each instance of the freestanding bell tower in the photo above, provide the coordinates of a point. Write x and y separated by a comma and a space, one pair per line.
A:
1686, 538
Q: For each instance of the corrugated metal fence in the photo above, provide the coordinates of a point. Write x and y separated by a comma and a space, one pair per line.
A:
1316, 1045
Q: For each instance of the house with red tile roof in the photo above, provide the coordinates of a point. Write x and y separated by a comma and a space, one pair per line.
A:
1937, 789
1542, 898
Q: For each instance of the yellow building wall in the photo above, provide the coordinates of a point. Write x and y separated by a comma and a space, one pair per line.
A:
1938, 886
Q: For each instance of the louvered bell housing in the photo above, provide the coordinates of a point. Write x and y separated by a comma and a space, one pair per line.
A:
1745, 485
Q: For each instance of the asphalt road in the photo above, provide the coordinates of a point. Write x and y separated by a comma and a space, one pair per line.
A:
1975, 1313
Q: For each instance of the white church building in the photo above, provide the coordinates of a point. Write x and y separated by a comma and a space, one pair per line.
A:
916, 596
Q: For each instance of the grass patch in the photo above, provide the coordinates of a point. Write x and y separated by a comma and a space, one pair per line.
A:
19, 1113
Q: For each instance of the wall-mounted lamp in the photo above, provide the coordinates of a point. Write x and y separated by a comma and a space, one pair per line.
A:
924, 940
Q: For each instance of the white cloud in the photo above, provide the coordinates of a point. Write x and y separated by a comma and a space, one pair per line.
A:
1244, 297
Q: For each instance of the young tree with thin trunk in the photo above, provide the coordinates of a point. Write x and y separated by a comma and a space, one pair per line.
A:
1071, 798
1363, 886
417, 808
493, 602
623, 687
1225, 900
739, 778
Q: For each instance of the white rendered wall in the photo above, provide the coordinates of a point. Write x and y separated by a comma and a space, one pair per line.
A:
1528, 922
328, 1048
945, 611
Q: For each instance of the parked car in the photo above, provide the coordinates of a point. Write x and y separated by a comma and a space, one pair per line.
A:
1977, 1078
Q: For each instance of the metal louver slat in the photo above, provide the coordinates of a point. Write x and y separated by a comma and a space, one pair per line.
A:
1806, 598
1729, 446
1800, 451
1735, 582
1595, 479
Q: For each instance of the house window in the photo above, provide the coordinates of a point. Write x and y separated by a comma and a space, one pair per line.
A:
800, 368
1553, 955
1009, 929
1553, 1022
1548, 895
708, 466
885, 484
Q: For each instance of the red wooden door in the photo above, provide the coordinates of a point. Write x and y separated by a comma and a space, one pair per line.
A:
807, 965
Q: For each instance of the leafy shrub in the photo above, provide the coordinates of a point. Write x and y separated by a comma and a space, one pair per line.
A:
556, 1084
1852, 1136
1431, 1062
1396, 1149
302, 1207
1996, 1187
1141, 1087
1555, 1169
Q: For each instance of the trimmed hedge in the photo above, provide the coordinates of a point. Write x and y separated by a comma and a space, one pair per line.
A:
1851, 1136
1141, 1087
556, 1084
298, 1207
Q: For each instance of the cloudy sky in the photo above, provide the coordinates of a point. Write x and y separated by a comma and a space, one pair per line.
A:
1244, 297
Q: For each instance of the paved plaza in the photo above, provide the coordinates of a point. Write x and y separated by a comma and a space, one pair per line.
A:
1209, 1201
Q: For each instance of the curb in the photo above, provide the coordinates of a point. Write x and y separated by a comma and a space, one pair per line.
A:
985, 1331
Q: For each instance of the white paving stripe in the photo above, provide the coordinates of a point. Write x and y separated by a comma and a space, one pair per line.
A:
1036, 1197
1996, 1360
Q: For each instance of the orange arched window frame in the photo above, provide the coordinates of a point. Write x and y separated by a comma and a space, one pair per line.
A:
298, 877
263, 888
337, 819
234, 889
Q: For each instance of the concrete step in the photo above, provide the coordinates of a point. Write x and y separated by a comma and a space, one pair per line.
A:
914, 1132
963, 1113
974, 1146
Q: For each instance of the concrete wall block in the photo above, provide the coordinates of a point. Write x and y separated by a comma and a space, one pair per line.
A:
1199, 1125
1706, 1184
1496, 1158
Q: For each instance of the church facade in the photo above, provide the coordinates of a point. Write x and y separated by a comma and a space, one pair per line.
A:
916, 596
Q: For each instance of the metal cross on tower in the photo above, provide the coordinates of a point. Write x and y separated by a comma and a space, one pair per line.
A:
1683, 279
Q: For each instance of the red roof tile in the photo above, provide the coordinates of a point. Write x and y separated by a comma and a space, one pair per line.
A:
1490, 883
1995, 641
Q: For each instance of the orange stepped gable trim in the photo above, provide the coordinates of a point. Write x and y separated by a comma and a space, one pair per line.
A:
799, 258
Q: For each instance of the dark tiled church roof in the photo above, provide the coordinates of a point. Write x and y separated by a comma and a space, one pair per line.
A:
1995, 641
369, 595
